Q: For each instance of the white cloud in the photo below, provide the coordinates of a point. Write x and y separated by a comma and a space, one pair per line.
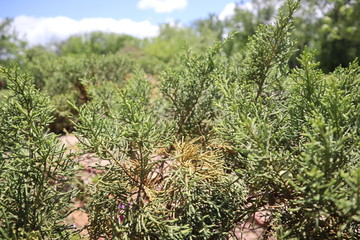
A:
163, 6
46, 30
229, 9
249, 6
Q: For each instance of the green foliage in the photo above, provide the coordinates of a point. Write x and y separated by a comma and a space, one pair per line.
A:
253, 116
97, 43
297, 142
192, 153
127, 138
268, 49
66, 79
245, 22
208, 31
330, 26
339, 42
146, 53
40, 62
329, 147
10, 45
190, 92
145, 193
308, 88
202, 192
169, 43
34, 172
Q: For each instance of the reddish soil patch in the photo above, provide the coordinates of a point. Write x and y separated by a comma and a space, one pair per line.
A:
85, 175
254, 228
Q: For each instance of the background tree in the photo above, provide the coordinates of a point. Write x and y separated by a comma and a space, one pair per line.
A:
209, 30
339, 41
170, 41
97, 43
245, 22
10, 45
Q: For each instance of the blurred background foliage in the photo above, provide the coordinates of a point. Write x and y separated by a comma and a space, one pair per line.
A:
330, 25
64, 69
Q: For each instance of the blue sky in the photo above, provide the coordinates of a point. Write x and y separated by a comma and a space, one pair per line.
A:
45, 21
117, 9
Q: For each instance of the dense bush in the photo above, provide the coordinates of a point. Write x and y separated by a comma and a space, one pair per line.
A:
97, 43
67, 79
34, 171
189, 91
296, 137
192, 155
137, 183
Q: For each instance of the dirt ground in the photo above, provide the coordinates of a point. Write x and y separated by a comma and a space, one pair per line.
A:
254, 228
